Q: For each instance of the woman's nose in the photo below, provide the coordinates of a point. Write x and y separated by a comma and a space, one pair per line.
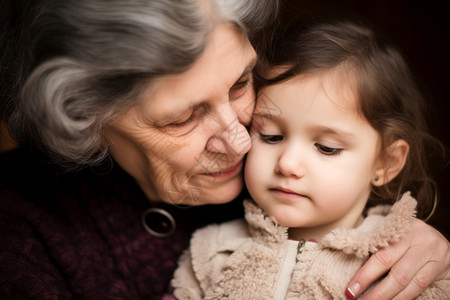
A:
232, 137
291, 162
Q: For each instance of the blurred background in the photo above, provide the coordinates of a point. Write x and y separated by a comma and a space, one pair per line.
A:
421, 28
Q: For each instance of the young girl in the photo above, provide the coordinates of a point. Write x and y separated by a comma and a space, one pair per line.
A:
338, 136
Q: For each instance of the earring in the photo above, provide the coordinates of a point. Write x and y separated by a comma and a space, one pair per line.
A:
375, 181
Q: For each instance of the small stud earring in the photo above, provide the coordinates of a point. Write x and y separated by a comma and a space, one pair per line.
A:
376, 179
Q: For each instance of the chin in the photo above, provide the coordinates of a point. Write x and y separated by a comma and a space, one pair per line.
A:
287, 217
223, 194
218, 193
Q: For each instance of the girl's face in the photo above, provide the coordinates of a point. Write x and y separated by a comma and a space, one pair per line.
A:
185, 144
313, 155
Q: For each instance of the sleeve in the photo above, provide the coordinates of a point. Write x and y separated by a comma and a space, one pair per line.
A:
184, 282
202, 265
26, 269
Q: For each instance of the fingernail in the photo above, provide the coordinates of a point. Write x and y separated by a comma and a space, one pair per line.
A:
352, 290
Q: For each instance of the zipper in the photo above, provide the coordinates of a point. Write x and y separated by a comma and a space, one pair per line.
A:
293, 249
300, 247
289, 257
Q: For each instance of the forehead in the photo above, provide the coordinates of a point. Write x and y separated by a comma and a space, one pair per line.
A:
335, 85
227, 56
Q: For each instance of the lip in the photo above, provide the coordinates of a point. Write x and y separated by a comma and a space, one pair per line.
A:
286, 193
227, 173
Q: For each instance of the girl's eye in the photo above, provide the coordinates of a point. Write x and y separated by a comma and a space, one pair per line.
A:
328, 150
271, 139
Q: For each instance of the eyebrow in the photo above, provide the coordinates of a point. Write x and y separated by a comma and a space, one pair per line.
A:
248, 69
318, 129
264, 113
333, 131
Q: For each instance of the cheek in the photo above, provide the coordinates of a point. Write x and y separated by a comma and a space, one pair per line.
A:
172, 173
340, 186
257, 168
152, 157
186, 155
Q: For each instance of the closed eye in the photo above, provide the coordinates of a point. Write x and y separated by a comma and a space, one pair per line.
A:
240, 84
239, 89
328, 150
183, 121
189, 116
271, 139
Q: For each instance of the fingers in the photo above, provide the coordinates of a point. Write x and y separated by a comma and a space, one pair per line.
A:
379, 264
420, 282
417, 260
405, 281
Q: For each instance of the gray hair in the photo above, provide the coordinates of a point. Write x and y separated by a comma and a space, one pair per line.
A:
84, 61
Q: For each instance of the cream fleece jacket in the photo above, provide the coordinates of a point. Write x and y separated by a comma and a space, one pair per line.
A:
256, 260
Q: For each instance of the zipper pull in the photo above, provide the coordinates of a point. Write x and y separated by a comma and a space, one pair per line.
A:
301, 245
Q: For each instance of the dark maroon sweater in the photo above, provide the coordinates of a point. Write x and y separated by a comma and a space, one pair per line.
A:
79, 235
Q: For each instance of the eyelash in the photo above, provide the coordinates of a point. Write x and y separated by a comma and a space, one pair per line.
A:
181, 124
240, 84
328, 150
185, 122
271, 139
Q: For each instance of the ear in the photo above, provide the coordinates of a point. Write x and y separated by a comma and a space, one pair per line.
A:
391, 163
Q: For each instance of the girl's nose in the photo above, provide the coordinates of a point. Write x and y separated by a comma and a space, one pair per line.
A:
290, 162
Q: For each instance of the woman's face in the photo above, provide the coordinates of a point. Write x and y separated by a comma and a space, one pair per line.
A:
185, 143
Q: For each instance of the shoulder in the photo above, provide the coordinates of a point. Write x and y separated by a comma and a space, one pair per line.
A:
209, 250
211, 245
27, 269
78, 229
219, 237
383, 225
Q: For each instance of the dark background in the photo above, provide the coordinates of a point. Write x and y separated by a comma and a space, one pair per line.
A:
421, 30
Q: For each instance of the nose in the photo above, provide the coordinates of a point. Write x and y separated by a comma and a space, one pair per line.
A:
231, 138
291, 162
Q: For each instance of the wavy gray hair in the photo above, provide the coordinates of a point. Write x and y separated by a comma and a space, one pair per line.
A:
84, 61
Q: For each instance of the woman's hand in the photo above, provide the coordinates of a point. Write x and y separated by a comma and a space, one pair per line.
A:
420, 258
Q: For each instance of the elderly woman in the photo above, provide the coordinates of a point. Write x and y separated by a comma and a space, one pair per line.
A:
143, 105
